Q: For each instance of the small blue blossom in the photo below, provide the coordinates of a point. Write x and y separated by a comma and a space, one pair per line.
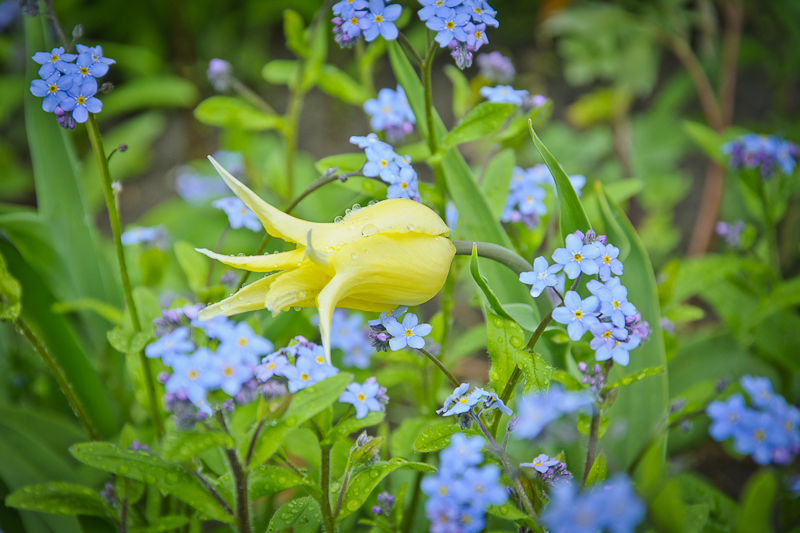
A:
764, 152
535, 411
233, 370
496, 68
439, 8
53, 89
315, 353
460, 402
140, 235
481, 12
304, 373
409, 333
81, 101
391, 112
620, 352
91, 57
362, 397
196, 188
758, 434
346, 330
370, 140
608, 262
462, 452
216, 328
577, 257
168, 346
473, 34
445, 24
504, 94
759, 390
355, 23
725, 416
345, 6
359, 354
387, 316
541, 463
492, 401
451, 215
382, 19
239, 215
458, 393
614, 302
272, 365
622, 509
577, 314
381, 162
482, 487
193, 376
244, 341
606, 335
788, 419
543, 275
56, 60
405, 186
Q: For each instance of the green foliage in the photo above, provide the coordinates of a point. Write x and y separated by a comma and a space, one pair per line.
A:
229, 112
597, 474
481, 121
757, 503
302, 515
63, 499
535, 370
435, 437
504, 339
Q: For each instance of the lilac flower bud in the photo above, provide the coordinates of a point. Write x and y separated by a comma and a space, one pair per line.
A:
273, 389
219, 74
386, 499
462, 55
582, 366
601, 238
781, 456
465, 420
107, 87
590, 237
677, 405
122, 147
30, 8
228, 278
537, 100
363, 439
667, 325
512, 423
722, 384
585, 379
163, 377
65, 119
227, 406
496, 68
730, 232
686, 425
580, 234
201, 415
109, 494
597, 369
77, 32
376, 509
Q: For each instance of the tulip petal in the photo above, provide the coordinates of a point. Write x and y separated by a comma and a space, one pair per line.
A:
334, 291
250, 298
259, 263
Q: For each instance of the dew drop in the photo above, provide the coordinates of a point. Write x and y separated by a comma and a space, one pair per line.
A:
410, 227
369, 229
353, 505
172, 478
123, 469
516, 342
291, 421
337, 220
374, 474
353, 256
150, 479
281, 480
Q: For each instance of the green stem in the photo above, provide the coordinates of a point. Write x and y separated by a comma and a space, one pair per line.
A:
290, 132
408, 518
66, 386
439, 364
495, 252
447, 310
325, 483
251, 96
113, 216
591, 447
771, 230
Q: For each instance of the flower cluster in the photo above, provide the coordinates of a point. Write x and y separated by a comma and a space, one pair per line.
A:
384, 163
732, 233
612, 506
462, 402
763, 152
525, 200
460, 25
205, 356
197, 188
496, 68
385, 504
388, 332
460, 492
239, 215
535, 411
614, 322
365, 398
391, 112
156, 236
68, 82
350, 334
354, 18
299, 365
768, 431
551, 470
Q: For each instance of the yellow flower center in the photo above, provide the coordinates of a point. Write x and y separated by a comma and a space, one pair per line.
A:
733, 417
270, 366
378, 19
53, 59
760, 435
478, 34
578, 314
443, 492
53, 89
361, 397
384, 163
478, 10
228, 371
615, 304
81, 100
84, 71
529, 199
354, 20
409, 333
450, 24
439, 3
577, 257
304, 376
404, 185
606, 259
192, 374
463, 400
242, 341
320, 359
607, 334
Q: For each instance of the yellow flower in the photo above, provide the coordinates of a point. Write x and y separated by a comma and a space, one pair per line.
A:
394, 252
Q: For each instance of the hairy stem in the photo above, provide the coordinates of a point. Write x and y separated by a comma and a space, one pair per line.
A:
325, 483
241, 499
210, 488
594, 429
251, 96
405, 42
447, 310
113, 216
439, 364
408, 516
61, 379
290, 131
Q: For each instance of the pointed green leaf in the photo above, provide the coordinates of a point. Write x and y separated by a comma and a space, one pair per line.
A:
482, 120
63, 499
497, 178
339, 85
758, 501
165, 524
475, 269
10, 293
294, 30
180, 446
633, 378
573, 217
504, 338
597, 473
230, 112
193, 264
269, 479
435, 438
536, 371
302, 515
142, 466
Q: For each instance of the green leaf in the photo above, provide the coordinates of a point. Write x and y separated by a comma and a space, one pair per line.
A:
364, 481
63, 499
633, 378
164, 525
484, 118
642, 404
109, 312
10, 294
461, 90
475, 211
180, 446
148, 93
141, 466
193, 264
305, 404
536, 371
339, 85
573, 217
281, 71
494, 303
268, 479
504, 338
758, 501
436, 437
723, 513
302, 515
230, 112
293, 29
510, 512
597, 473
707, 139
341, 162
497, 179
151, 265
352, 425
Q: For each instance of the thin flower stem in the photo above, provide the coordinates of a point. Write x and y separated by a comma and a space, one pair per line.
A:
48, 4
341, 494
438, 363
216, 251
495, 252
591, 447
447, 310
113, 216
325, 483
251, 96
210, 488
526, 502
240, 483
405, 42
61, 379
285, 458
123, 516
408, 517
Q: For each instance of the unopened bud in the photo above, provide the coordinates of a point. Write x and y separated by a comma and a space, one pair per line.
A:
29, 8
363, 439
677, 405
466, 421
686, 425
77, 31
122, 147
583, 366
722, 384
107, 87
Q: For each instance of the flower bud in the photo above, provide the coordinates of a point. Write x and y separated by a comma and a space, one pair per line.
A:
77, 32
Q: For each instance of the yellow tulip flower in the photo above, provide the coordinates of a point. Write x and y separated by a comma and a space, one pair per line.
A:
394, 252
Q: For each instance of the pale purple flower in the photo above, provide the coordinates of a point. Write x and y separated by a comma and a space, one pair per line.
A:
576, 314
409, 333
